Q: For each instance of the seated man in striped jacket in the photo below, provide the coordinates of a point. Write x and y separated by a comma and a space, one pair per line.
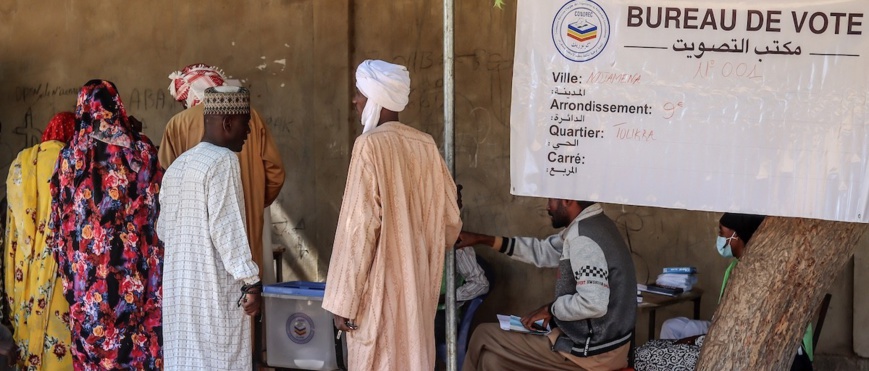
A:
594, 307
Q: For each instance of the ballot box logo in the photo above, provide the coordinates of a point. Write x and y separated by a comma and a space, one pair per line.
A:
300, 328
580, 30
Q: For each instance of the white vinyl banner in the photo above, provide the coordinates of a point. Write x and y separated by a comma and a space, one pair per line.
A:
755, 107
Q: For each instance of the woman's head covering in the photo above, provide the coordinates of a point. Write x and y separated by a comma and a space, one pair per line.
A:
386, 85
188, 85
100, 116
743, 224
61, 128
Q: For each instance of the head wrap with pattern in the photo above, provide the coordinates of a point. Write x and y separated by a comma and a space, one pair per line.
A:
60, 128
226, 100
188, 85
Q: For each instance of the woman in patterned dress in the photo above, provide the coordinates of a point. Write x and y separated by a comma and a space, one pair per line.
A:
103, 220
38, 312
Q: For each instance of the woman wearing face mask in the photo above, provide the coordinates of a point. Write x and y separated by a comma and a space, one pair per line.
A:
734, 231
681, 338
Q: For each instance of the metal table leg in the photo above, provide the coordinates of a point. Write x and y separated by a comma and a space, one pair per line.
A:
651, 324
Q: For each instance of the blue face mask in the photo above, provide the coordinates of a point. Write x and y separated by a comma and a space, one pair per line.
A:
723, 246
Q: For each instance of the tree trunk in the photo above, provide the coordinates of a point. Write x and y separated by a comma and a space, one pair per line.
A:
774, 292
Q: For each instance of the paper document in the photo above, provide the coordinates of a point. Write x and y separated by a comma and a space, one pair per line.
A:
514, 323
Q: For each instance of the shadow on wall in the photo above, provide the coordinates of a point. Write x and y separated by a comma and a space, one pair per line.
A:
298, 261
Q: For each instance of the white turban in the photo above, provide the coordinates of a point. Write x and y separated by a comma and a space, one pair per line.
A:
386, 85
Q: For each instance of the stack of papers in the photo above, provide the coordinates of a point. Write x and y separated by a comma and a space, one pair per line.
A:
679, 277
683, 281
514, 323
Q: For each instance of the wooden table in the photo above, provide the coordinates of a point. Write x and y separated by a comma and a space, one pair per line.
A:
652, 302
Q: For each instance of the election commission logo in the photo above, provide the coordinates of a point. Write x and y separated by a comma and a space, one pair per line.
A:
300, 328
580, 30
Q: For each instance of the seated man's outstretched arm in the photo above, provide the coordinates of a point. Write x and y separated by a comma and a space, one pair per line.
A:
543, 253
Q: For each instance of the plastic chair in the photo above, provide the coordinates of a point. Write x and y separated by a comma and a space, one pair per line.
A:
464, 328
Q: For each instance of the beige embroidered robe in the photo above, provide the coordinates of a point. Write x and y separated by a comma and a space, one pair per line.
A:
398, 217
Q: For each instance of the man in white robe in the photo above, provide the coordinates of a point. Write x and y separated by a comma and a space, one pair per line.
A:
398, 217
262, 170
208, 268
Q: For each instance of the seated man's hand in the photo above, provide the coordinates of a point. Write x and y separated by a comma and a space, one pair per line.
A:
688, 340
470, 239
541, 313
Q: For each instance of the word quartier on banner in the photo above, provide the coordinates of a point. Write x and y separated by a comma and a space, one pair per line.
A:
754, 107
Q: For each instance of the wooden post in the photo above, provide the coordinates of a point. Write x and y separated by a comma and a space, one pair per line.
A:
773, 293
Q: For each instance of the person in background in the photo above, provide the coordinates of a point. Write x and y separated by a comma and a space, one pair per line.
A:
208, 261
398, 217
102, 225
471, 282
38, 313
262, 171
594, 307
681, 338
734, 231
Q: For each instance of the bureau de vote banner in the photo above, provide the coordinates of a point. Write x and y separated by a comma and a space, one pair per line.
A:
740, 106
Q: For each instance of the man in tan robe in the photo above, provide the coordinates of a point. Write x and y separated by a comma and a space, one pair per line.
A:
398, 217
262, 171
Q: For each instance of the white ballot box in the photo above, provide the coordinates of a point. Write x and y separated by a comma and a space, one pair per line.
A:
300, 334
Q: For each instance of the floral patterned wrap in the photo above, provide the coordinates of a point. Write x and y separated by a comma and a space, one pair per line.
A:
103, 222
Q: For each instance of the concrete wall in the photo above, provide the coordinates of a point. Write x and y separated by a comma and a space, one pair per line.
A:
293, 55
298, 57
